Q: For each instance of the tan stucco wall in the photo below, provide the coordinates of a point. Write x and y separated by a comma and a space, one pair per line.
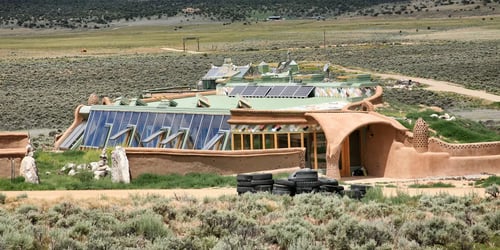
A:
5, 167
12, 147
379, 138
166, 161
406, 162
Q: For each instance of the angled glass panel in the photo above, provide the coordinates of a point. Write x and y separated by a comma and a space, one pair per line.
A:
102, 129
194, 129
289, 91
276, 91
304, 91
248, 91
261, 91
203, 131
74, 136
237, 91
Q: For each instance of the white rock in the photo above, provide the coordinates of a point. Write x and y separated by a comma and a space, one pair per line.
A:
29, 170
94, 166
72, 172
81, 166
120, 171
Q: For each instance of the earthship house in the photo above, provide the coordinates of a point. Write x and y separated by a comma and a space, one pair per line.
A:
254, 118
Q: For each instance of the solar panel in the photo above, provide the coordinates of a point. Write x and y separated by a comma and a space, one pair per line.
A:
248, 91
237, 91
304, 91
261, 91
275, 91
289, 91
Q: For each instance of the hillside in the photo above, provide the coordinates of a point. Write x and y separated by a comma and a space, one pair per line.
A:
95, 14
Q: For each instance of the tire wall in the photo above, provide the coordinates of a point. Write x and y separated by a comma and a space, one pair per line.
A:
165, 161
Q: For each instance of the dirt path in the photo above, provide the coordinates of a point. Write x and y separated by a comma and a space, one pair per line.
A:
434, 85
59, 195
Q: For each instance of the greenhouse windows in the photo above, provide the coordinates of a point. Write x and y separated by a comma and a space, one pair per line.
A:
176, 140
126, 136
159, 136
268, 140
218, 142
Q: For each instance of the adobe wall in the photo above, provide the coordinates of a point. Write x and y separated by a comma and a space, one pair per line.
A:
466, 149
167, 161
406, 162
12, 149
379, 139
5, 167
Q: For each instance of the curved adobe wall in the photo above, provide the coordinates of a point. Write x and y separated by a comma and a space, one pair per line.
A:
374, 99
76, 121
167, 161
466, 149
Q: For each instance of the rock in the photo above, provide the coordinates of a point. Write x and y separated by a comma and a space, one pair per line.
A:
72, 172
102, 168
94, 166
29, 170
81, 166
120, 171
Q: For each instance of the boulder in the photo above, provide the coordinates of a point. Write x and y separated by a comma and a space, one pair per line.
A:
94, 166
29, 170
120, 171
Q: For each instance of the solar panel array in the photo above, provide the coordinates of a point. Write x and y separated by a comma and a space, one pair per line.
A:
292, 91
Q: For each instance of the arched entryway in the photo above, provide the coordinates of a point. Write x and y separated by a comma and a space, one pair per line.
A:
357, 139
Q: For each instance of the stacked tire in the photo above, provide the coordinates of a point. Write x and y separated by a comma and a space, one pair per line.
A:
306, 181
284, 187
357, 191
330, 186
252, 183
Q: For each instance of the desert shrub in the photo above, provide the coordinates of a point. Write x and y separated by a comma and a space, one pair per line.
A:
493, 191
80, 230
14, 239
26, 208
288, 231
479, 233
492, 220
171, 242
318, 206
148, 224
66, 209
60, 239
165, 209
374, 210
224, 223
435, 231
347, 232
2, 198
489, 181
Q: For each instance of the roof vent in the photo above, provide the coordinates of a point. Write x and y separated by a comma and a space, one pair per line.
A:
202, 101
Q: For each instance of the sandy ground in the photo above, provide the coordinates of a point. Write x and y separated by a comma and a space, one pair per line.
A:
461, 188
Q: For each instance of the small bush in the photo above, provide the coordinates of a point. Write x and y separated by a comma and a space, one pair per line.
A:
2, 198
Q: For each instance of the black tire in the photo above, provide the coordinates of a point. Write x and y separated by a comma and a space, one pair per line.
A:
353, 194
245, 184
242, 190
328, 181
243, 177
306, 174
307, 184
264, 188
283, 188
262, 176
285, 182
262, 182
361, 188
332, 189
